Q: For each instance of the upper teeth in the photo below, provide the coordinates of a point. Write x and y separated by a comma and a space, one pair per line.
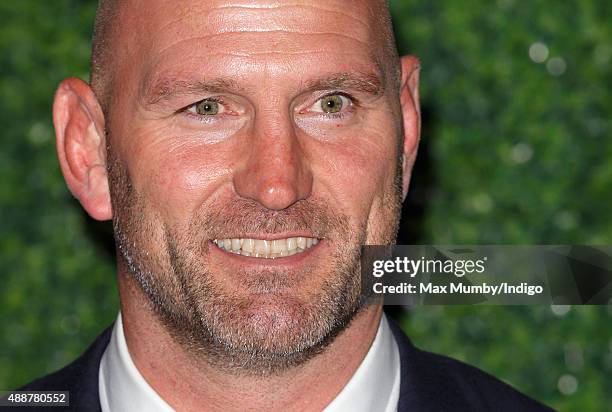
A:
268, 249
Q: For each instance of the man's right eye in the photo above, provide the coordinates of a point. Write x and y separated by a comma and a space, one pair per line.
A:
207, 107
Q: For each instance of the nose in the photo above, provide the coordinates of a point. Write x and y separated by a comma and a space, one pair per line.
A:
276, 173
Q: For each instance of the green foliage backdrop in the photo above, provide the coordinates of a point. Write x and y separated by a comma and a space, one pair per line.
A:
516, 149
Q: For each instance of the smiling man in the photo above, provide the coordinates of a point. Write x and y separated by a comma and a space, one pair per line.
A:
245, 151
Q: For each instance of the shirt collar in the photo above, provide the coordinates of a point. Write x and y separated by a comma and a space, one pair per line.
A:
121, 386
374, 385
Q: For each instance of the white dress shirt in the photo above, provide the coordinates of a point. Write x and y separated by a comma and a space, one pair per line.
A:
373, 387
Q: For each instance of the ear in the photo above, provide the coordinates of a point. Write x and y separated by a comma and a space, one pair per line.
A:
411, 111
81, 146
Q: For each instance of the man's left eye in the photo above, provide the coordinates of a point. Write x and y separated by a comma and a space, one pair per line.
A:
332, 103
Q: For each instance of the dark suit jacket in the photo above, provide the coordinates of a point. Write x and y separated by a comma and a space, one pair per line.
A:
429, 382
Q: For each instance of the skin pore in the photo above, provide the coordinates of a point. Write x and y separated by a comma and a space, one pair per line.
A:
243, 120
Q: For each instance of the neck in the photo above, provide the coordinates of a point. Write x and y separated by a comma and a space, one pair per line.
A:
187, 384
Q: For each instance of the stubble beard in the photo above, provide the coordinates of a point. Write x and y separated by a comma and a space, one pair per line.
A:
231, 331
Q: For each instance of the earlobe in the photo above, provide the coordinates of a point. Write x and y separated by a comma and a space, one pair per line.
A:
411, 113
81, 146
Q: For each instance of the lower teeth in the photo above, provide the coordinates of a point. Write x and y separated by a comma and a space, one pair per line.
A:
266, 256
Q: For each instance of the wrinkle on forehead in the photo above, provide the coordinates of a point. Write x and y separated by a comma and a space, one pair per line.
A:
236, 18
162, 23
246, 43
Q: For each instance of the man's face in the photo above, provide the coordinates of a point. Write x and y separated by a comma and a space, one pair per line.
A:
254, 148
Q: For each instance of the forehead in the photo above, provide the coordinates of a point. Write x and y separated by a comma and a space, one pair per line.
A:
238, 38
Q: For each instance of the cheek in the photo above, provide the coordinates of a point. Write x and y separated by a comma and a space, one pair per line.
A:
359, 170
177, 178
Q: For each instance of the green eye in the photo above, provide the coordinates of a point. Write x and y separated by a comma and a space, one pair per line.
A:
332, 103
207, 107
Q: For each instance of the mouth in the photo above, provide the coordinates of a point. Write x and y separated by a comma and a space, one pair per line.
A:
267, 249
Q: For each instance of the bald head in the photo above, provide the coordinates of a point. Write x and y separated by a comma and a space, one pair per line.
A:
110, 38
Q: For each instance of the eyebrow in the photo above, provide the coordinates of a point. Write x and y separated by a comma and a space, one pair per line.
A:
361, 82
167, 88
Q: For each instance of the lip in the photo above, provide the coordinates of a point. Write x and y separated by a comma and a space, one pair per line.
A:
270, 236
292, 260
